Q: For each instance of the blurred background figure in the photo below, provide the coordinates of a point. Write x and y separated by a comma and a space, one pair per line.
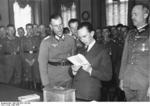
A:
42, 31
2, 32
11, 47
21, 32
35, 29
99, 37
73, 25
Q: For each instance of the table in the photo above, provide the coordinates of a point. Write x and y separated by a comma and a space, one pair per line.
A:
11, 93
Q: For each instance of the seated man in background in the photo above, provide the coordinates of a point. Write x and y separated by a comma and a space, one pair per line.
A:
87, 79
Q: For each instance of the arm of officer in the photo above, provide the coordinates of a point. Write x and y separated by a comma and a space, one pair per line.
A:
74, 47
43, 62
123, 63
148, 92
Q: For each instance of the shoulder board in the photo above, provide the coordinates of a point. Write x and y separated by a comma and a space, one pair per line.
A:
47, 37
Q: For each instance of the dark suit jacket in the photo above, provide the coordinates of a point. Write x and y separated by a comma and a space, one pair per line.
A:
88, 86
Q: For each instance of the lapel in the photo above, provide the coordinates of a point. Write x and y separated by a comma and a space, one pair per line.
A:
93, 52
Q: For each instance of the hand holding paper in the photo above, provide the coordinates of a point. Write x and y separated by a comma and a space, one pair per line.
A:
75, 69
87, 68
78, 60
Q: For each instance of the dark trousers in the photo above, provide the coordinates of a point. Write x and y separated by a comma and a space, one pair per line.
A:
136, 95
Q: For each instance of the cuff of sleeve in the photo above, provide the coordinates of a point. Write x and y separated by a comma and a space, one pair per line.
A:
90, 71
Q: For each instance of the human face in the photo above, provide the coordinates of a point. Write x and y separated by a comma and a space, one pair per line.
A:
105, 32
85, 36
138, 17
73, 27
2, 31
42, 28
21, 32
11, 31
29, 30
57, 26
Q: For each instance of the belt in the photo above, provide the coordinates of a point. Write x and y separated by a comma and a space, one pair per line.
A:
13, 53
61, 63
30, 52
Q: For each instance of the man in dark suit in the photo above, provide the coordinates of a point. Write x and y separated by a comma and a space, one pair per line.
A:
135, 66
87, 78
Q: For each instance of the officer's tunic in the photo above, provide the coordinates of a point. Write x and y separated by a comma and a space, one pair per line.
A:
2, 67
135, 66
30, 48
55, 50
12, 61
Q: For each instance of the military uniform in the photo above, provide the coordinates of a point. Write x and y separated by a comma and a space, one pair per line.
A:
30, 48
12, 61
79, 45
135, 65
2, 67
52, 59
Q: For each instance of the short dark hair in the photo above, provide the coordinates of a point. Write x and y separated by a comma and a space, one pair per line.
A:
87, 25
10, 25
73, 20
54, 16
20, 28
2, 27
29, 24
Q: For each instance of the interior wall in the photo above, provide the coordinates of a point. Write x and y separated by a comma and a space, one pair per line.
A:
45, 11
85, 5
98, 13
48, 7
4, 13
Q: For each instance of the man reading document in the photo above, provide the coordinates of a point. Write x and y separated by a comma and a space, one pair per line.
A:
94, 66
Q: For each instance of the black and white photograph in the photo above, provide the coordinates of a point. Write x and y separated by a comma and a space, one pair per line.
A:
93, 51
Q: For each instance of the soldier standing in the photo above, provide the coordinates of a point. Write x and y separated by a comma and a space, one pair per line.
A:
29, 47
54, 50
2, 67
11, 47
135, 65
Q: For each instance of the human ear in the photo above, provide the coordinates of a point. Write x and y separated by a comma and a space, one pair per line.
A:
92, 33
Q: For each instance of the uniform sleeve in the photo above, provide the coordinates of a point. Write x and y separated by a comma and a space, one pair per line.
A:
149, 59
124, 60
103, 70
73, 47
43, 62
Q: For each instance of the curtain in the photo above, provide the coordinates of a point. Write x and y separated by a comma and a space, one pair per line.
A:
22, 16
67, 9
68, 12
98, 13
117, 12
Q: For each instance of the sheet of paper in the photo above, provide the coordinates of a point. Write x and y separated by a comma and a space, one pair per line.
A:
78, 59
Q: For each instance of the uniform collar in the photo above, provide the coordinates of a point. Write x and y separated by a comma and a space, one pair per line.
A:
91, 45
142, 28
58, 37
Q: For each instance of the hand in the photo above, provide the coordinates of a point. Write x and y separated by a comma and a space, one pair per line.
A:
87, 68
75, 69
121, 84
148, 92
